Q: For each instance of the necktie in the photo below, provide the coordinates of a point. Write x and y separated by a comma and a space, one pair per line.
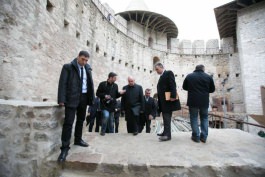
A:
82, 75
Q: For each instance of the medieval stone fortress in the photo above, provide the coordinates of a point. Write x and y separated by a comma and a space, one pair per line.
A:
38, 37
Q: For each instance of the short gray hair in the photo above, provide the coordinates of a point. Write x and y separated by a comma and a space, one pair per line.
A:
159, 65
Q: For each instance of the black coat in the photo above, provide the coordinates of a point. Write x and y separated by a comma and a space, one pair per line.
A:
166, 83
106, 88
70, 86
199, 85
150, 107
133, 99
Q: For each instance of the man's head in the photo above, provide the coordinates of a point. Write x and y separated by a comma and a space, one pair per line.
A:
82, 58
112, 77
147, 92
131, 81
159, 68
200, 67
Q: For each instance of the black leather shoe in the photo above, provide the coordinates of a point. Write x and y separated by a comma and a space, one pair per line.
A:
81, 143
62, 156
102, 133
135, 133
160, 134
164, 138
195, 140
203, 140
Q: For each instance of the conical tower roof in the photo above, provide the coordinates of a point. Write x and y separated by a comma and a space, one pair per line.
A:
138, 11
137, 5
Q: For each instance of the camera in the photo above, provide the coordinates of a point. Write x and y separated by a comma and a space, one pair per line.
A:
109, 101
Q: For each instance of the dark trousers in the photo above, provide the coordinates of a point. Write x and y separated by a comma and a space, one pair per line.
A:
92, 122
117, 122
132, 122
98, 121
70, 112
144, 121
167, 123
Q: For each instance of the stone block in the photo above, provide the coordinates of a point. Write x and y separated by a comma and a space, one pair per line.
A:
40, 125
24, 125
185, 47
198, 47
25, 155
45, 116
40, 137
227, 45
26, 168
31, 147
30, 114
2, 135
7, 112
53, 124
212, 46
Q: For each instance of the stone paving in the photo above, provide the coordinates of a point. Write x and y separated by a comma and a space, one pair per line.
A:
228, 152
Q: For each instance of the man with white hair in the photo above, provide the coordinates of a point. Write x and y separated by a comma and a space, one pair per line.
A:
132, 103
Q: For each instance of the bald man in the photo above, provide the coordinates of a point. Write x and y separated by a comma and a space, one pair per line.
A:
132, 103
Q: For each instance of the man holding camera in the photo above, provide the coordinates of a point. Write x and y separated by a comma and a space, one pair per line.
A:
108, 93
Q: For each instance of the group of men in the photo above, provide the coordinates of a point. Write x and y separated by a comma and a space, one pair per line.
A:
76, 92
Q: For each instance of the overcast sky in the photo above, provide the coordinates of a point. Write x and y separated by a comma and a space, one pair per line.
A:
195, 19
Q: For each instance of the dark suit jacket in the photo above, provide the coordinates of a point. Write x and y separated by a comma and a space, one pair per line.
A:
199, 85
166, 83
70, 87
150, 107
133, 99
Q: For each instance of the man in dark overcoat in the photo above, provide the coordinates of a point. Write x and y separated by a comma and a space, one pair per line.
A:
166, 83
132, 103
75, 92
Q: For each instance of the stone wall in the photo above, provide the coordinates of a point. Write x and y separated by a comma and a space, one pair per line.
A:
37, 38
251, 42
29, 132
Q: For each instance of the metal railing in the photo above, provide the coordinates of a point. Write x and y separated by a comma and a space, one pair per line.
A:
156, 46
213, 116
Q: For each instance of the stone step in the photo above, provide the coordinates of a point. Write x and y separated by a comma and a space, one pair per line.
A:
228, 152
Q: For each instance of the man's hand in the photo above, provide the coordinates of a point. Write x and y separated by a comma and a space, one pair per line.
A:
173, 99
61, 104
150, 117
122, 92
107, 97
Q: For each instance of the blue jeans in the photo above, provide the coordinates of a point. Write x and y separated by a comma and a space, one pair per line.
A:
107, 121
194, 122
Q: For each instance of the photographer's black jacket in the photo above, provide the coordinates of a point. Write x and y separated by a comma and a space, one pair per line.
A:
105, 88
